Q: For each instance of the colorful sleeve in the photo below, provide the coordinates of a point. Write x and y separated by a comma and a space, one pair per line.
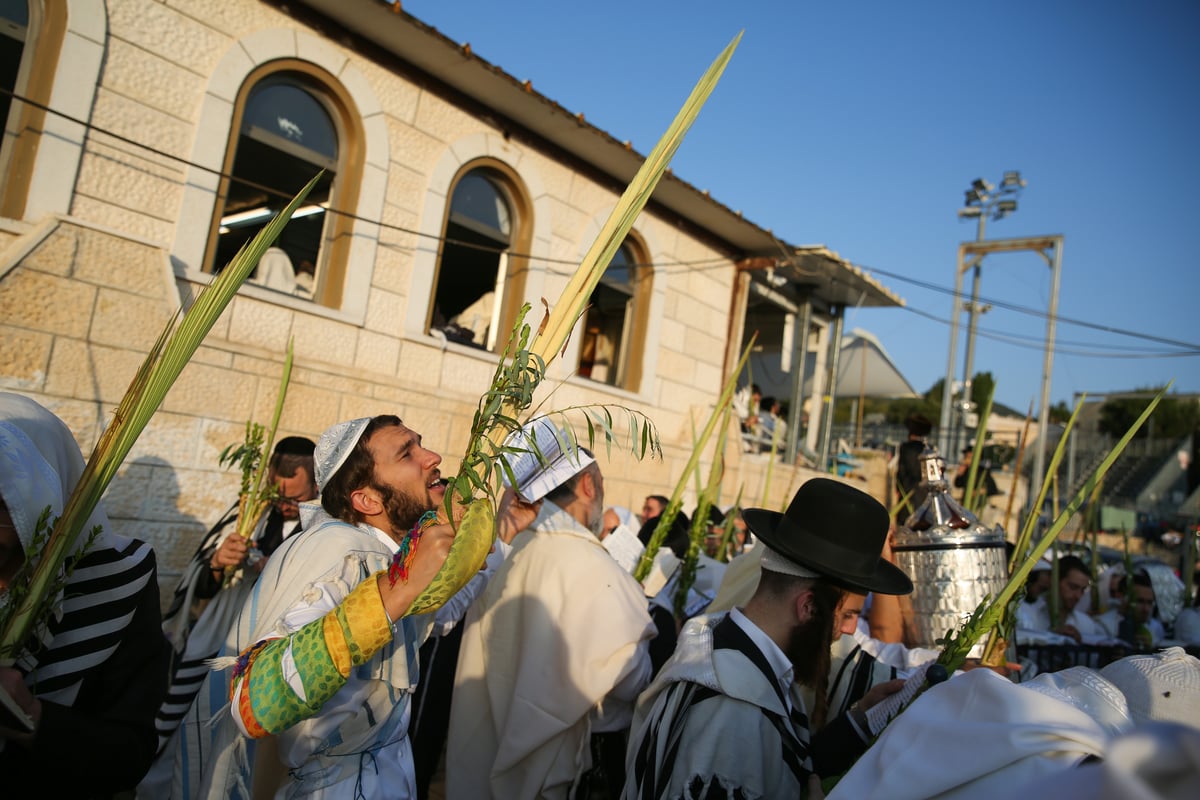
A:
282, 681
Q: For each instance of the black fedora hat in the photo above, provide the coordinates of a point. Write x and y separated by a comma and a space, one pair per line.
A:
836, 531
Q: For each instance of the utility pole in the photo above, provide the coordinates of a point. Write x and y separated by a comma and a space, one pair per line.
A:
983, 200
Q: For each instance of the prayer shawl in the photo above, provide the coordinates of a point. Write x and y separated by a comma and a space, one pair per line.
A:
99, 666
357, 744
974, 737
195, 648
558, 628
1155, 761
715, 723
40, 464
177, 621
739, 581
852, 673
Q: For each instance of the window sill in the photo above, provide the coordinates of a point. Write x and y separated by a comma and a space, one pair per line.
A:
487, 356
608, 388
256, 292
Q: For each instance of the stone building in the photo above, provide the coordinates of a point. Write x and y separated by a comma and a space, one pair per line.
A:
147, 139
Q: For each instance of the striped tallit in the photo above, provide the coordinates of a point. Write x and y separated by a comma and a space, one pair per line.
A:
40, 464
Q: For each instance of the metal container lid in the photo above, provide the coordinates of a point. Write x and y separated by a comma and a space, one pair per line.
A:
941, 521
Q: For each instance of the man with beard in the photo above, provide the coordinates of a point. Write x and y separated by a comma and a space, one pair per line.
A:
328, 657
555, 650
726, 718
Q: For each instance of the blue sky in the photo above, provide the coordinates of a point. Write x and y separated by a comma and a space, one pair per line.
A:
859, 125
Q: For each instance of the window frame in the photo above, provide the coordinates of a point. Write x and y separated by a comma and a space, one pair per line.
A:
631, 356
514, 261
25, 126
338, 231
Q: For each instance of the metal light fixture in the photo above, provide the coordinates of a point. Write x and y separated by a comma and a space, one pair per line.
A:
983, 201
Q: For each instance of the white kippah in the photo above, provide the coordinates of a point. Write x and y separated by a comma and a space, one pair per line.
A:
777, 563
1163, 686
1090, 692
545, 458
335, 446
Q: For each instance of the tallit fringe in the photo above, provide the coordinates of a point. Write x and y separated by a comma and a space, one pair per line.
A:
221, 663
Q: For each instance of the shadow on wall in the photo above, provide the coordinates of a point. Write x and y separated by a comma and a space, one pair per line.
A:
143, 502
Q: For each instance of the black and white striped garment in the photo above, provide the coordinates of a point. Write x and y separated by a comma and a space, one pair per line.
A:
659, 747
197, 568
98, 604
852, 673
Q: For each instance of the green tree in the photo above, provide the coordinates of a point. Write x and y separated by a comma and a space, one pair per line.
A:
1060, 412
1174, 417
982, 386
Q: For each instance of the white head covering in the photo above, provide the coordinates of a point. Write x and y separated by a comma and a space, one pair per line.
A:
40, 464
547, 459
775, 562
976, 735
1163, 686
1088, 691
335, 446
1155, 761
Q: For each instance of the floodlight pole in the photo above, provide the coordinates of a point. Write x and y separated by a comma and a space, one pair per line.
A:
983, 200
1039, 245
960, 429
1055, 264
944, 430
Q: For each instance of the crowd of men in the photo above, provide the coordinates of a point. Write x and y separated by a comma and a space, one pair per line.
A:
553, 672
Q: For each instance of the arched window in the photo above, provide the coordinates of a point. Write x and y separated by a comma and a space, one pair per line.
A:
614, 326
478, 288
31, 40
289, 125
14, 28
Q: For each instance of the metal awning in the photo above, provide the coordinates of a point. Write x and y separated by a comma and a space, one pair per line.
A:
865, 370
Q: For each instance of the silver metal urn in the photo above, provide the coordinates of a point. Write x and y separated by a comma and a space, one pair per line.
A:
953, 559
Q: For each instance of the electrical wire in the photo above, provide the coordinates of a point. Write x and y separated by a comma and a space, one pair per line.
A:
667, 267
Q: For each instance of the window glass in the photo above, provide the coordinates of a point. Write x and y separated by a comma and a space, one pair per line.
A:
14, 26
603, 354
469, 294
286, 137
287, 111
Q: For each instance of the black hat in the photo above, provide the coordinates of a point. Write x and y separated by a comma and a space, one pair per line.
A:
678, 537
836, 531
715, 515
295, 446
918, 424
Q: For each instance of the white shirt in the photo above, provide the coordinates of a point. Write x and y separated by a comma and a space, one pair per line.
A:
1036, 617
781, 665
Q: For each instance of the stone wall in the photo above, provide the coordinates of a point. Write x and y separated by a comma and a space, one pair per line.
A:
83, 297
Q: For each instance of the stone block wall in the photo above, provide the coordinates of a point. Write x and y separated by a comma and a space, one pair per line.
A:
83, 297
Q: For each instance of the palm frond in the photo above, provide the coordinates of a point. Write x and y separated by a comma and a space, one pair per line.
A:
990, 611
154, 378
672, 510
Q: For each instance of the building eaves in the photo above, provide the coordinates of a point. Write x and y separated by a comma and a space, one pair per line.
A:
456, 66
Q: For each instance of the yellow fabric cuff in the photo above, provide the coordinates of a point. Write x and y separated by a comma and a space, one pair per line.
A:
359, 627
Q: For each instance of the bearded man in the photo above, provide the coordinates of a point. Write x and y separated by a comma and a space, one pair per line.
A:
328, 657
556, 650
726, 716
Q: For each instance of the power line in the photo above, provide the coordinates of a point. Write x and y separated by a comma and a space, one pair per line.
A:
1041, 314
715, 263
1031, 343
